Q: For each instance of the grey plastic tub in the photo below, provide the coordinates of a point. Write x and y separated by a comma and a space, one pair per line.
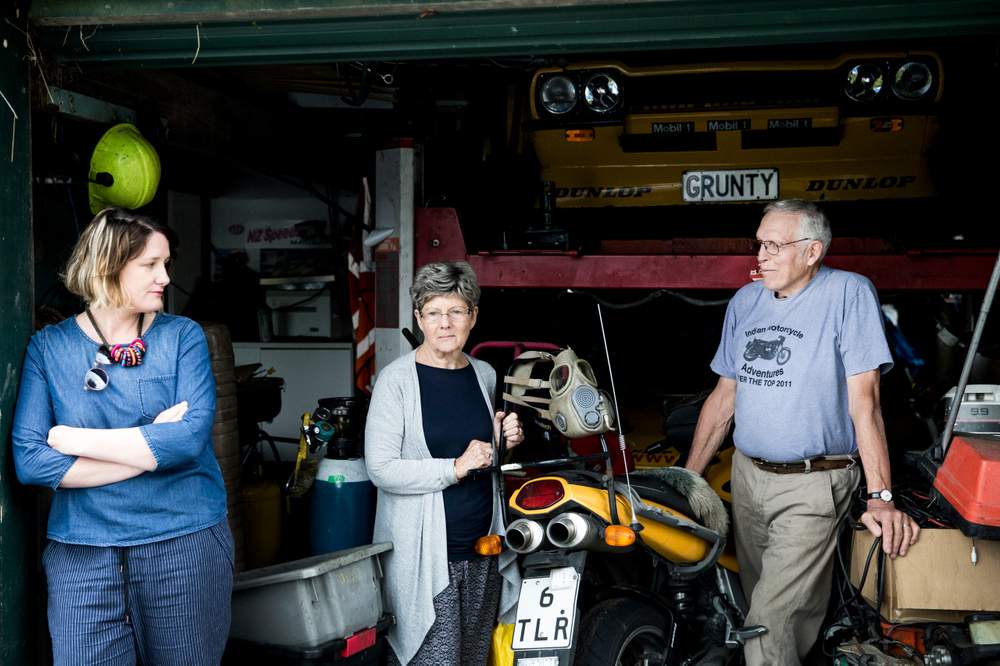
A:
311, 601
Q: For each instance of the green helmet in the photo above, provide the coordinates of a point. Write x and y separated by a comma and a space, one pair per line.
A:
124, 170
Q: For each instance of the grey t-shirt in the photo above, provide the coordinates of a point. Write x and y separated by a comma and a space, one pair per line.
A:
791, 359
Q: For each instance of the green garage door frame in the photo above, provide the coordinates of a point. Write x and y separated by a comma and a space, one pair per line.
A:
16, 516
155, 33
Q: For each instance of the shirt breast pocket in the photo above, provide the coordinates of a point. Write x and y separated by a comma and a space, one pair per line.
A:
156, 394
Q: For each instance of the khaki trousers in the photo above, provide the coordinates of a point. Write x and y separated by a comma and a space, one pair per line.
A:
786, 536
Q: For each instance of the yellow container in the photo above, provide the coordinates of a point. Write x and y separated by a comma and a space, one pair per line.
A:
261, 504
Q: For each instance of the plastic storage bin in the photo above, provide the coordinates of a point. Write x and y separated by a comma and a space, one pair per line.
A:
312, 601
341, 652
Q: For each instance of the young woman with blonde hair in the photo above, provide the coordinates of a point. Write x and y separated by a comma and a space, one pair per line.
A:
115, 415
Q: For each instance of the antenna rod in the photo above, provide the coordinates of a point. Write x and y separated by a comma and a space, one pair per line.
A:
618, 414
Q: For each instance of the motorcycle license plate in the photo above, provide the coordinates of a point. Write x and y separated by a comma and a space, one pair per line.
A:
546, 611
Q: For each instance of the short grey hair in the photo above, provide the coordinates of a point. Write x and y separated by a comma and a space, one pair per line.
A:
813, 222
444, 278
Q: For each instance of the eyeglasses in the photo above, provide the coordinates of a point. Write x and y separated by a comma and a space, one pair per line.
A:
770, 246
455, 314
97, 378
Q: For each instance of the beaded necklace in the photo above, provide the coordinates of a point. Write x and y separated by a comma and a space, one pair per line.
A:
124, 355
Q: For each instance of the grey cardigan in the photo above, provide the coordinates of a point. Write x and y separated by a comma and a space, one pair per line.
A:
410, 510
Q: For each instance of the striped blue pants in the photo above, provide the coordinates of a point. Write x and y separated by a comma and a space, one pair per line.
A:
158, 604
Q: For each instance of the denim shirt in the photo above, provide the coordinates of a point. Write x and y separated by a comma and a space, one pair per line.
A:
184, 494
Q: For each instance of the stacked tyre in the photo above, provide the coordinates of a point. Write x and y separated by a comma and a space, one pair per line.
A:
225, 432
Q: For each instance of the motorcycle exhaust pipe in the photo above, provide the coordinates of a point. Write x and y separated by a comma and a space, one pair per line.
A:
576, 531
524, 536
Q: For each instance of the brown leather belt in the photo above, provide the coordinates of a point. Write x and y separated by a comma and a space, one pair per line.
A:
817, 464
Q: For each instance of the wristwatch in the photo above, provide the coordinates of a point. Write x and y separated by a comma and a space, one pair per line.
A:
884, 495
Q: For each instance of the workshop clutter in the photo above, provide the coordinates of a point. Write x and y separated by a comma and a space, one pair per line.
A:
309, 581
940, 603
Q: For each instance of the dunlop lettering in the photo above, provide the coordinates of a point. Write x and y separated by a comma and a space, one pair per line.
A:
861, 183
623, 192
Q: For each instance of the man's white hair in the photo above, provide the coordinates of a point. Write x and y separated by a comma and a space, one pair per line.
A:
813, 223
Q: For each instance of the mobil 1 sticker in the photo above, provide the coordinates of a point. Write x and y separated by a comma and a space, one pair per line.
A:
730, 185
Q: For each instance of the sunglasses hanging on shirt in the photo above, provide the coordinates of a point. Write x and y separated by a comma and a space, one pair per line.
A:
97, 378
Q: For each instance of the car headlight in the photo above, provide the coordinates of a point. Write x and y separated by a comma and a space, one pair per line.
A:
864, 82
913, 80
558, 95
602, 93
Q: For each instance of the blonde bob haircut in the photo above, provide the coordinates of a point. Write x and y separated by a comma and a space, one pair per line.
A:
113, 238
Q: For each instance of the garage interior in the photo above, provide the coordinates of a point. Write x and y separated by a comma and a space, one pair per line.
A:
275, 136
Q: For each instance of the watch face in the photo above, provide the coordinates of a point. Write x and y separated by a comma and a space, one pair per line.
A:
885, 495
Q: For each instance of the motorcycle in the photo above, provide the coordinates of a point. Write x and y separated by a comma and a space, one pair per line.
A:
767, 350
625, 570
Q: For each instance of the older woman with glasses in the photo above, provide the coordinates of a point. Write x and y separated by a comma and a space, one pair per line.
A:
430, 426
115, 414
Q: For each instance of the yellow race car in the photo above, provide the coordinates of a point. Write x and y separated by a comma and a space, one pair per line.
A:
852, 127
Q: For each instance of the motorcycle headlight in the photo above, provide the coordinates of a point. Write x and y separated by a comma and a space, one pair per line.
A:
864, 82
913, 80
558, 95
602, 94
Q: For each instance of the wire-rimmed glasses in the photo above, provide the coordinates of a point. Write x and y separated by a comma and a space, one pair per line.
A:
771, 247
454, 314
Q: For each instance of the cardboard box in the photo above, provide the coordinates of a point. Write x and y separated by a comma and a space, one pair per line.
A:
936, 581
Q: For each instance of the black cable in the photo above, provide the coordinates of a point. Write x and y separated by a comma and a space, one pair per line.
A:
879, 588
856, 590
649, 298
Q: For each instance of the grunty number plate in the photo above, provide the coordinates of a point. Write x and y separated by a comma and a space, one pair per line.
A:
730, 185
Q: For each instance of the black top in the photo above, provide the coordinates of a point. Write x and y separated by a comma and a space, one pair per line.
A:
454, 413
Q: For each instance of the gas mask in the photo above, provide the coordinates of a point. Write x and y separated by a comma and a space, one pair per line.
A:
574, 404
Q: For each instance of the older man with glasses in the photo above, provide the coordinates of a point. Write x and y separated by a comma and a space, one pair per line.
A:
799, 363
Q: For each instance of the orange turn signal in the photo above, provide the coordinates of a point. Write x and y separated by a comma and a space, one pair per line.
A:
579, 135
619, 536
491, 545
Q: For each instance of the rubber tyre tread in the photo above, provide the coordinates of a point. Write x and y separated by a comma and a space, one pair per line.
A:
226, 445
606, 626
223, 369
228, 427
226, 409
217, 338
224, 388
